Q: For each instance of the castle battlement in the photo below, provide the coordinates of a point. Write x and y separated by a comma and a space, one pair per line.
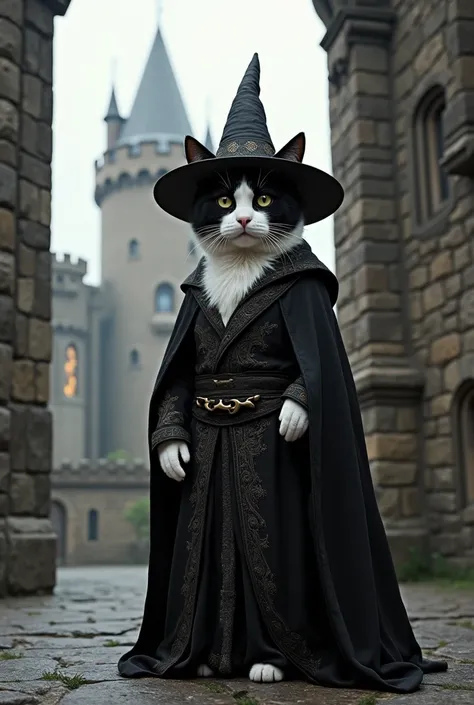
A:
89, 472
66, 264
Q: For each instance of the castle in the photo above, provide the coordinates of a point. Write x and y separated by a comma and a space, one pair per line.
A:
105, 356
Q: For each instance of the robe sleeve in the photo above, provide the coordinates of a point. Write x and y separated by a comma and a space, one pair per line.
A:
174, 408
297, 391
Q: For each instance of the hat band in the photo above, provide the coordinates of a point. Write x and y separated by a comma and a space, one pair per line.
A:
245, 149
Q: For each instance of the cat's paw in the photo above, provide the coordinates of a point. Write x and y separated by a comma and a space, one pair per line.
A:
293, 419
265, 673
203, 671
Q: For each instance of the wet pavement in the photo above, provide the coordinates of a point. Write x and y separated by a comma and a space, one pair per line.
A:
64, 649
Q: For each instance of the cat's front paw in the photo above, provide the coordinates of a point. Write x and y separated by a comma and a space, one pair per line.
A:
293, 419
265, 673
204, 671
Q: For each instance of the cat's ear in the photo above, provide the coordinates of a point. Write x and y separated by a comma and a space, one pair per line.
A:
195, 151
294, 149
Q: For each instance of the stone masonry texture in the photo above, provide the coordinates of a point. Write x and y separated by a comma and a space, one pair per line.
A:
64, 649
406, 305
27, 542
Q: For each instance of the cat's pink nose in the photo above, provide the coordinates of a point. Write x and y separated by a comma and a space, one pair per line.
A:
244, 222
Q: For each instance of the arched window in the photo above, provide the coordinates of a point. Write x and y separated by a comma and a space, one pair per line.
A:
70, 371
431, 182
93, 525
164, 298
134, 358
133, 249
465, 428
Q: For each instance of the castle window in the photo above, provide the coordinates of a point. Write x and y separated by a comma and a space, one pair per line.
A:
164, 298
93, 525
70, 371
465, 427
431, 183
133, 249
134, 150
134, 358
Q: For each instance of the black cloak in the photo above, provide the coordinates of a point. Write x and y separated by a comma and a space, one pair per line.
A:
370, 642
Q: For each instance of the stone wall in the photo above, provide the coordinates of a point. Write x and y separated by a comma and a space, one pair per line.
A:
107, 488
404, 289
27, 543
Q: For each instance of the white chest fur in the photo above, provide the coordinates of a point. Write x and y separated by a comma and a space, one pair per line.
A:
228, 279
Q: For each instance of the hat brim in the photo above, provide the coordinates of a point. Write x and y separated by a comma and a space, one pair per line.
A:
321, 194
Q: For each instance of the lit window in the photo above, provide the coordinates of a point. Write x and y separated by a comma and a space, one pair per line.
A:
431, 182
164, 298
93, 525
134, 358
133, 249
70, 371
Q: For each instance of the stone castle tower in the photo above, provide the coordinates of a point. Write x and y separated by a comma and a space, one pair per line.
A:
402, 122
105, 361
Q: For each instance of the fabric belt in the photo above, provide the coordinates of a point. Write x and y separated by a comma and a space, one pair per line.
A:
227, 398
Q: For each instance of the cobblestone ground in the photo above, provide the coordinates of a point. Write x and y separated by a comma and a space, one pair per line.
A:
64, 649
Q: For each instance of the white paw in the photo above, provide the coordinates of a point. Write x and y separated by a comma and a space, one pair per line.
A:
265, 673
204, 671
293, 420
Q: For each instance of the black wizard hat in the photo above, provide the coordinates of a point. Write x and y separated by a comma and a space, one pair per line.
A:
246, 142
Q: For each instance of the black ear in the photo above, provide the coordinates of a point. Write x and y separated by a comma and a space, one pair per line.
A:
294, 149
195, 151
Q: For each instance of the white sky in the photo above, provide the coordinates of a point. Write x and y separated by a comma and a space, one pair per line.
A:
210, 43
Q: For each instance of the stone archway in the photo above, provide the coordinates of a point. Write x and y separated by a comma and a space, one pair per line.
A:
59, 521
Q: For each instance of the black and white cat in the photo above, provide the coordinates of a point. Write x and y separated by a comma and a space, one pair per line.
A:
242, 221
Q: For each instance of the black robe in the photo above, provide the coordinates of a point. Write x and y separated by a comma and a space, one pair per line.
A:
269, 551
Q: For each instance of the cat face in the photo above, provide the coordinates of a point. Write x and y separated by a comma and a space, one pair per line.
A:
251, 210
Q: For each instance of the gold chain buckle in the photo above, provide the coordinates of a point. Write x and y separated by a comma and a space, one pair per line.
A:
233, 406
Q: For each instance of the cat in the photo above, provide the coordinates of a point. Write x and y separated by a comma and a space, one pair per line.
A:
243, 220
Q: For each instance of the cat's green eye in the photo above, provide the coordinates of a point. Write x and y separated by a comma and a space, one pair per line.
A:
264, 200
224, 202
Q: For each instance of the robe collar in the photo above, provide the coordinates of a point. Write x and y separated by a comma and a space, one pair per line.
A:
299, 260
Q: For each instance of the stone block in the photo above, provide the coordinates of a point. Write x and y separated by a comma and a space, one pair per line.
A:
9, 80
407, 419
23, 381
7, 319
46, 60
21, 335
428, 55
9, 121
459, 38
26, 261
452, 375
442, 479
443, 502
35, 170
39, 439
32, 50
34, 234
369, 58
460, 9
392, 446
30, 205
40, 340
378, 418
13, 10
439, 452
433, 297
25, 294
45, 207
418, 277
32, 558
4, 472
445, 349
388, 501
47, 104
32, 94
6, 354
43, 264
393, 474
441, 404
42, 484
452, 285
39, 16
7, 186
19, 416
441, 266
42, 382
45, 141
4, 428
462, 257
371, 277
29, 134
410, 502
10, 40
22, 494
7, 230
7, 273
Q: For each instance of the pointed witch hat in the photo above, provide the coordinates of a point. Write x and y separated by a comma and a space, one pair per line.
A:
246, 143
